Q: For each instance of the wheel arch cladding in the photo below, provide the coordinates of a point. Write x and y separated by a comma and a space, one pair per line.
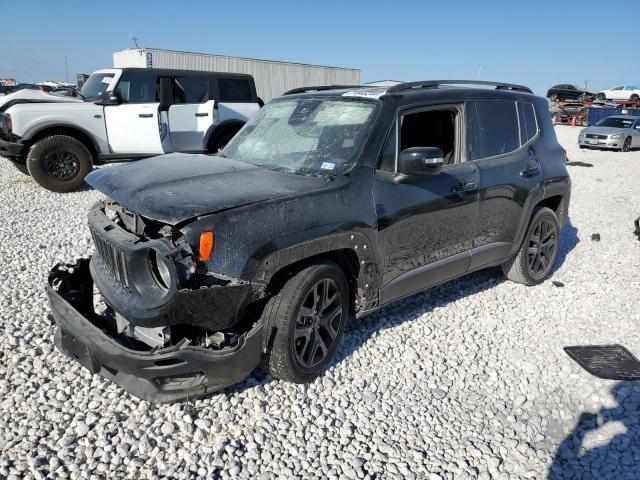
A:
220, 129
78, 134
351, 251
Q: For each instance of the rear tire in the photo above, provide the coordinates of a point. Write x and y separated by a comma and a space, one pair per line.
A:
301, 334
221, 142
59, 163
534, 261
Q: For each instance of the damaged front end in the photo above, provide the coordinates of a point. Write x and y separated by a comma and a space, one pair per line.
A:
157, 323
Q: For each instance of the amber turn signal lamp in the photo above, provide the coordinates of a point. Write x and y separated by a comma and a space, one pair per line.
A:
207, 242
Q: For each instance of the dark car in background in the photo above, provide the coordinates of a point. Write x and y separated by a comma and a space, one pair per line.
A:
568, 92
328, 204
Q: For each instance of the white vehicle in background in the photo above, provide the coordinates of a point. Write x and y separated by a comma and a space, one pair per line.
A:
122, 114
623, 92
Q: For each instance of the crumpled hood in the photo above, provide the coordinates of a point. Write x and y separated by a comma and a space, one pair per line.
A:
33, 96
176, 187
603, 130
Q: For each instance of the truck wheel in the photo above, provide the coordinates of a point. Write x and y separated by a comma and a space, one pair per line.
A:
304, 322
538, 252
222, 140
59, 163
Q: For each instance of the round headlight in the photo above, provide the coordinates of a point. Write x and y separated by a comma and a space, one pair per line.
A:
160, 270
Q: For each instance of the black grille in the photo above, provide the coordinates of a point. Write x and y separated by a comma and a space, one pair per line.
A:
113, 258
593, 135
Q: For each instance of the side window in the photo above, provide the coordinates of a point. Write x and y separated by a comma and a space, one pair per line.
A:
528, 124
235, 89
190, 89
138, 87
497, 129
388, 156
618, 88
430, 128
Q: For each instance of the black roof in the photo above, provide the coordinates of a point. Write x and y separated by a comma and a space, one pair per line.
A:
422, 89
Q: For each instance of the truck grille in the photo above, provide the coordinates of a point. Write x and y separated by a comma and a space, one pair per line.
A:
113, 259
593, 135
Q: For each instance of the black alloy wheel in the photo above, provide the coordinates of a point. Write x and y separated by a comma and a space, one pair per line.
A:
543, 240
318, 323
61, 164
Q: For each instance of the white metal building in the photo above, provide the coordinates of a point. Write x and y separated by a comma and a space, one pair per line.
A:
272, 78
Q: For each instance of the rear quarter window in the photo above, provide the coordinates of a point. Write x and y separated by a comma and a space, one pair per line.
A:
495, 130
527, 120
235, 90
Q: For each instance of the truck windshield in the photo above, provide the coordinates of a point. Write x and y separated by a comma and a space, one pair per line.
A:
305, 135
96, 85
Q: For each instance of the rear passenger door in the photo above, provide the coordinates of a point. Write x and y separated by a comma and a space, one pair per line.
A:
191, 113
236, 96
502, 144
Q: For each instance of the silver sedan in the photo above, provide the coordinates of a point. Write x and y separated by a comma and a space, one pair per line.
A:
619, 132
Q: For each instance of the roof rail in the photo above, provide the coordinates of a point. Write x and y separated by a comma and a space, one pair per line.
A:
437, 83
319, 88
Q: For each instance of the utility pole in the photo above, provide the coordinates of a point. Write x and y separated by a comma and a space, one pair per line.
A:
66, 69
478, 76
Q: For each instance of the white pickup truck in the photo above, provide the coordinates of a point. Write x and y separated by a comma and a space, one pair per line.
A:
122, 114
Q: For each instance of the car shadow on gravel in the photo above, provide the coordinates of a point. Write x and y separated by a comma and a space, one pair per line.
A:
360, 330
616, 458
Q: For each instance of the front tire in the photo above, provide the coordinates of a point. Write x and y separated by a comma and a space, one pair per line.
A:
626, 146
601, 96
59, 163
534, 261
304, 322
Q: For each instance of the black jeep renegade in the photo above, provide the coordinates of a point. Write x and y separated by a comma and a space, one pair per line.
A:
330, 203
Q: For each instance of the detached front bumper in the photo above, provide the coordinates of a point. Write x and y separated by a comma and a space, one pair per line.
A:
161, 375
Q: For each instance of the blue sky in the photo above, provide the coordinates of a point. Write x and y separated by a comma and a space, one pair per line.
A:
536, 45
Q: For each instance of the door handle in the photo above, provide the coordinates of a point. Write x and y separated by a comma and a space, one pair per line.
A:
202, 114
465, 187
529, 172
145, 115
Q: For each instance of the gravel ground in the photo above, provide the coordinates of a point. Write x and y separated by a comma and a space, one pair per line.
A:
467, 380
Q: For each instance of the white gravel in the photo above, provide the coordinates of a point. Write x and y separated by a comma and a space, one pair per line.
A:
467, 380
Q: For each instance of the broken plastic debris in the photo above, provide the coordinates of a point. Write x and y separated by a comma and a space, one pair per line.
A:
636, 232
595, 237
557, 283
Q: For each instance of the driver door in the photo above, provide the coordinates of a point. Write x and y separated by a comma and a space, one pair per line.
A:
426, 224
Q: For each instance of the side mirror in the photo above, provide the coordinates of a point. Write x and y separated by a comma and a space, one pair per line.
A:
421, 161
109, 98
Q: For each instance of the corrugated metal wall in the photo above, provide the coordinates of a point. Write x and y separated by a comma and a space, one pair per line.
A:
272, 78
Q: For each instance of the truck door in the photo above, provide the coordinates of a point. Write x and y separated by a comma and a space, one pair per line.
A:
133, 126
191, 112
237, 98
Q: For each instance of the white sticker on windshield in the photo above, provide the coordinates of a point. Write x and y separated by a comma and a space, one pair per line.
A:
106, 80
366, 93
327, 166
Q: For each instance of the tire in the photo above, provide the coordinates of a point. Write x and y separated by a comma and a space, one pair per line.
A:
626, 146
521, 268
601, 96
59, 163
553, 97
221, 141
556, 118
290, 338
634, 97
